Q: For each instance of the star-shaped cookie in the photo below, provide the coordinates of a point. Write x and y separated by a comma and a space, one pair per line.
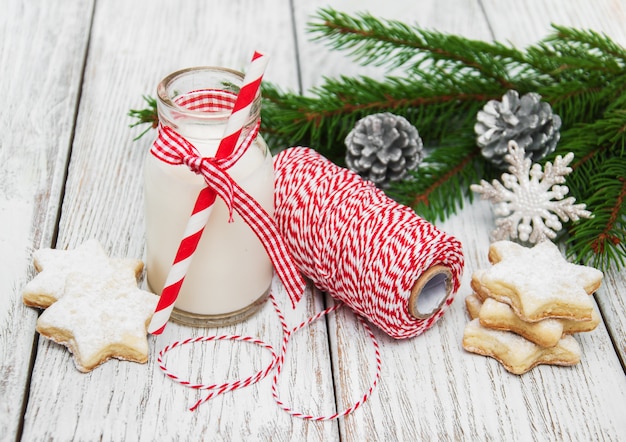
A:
545, 333
538, 282
515, 353
99, 319
87, 261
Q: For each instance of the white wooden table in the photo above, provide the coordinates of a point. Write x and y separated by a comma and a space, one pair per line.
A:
69, 171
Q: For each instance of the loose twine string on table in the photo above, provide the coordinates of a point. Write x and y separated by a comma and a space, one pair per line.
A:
276, 363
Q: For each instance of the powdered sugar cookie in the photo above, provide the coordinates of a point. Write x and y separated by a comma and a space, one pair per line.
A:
98, 319
474, 303
538, 282
500, 316
87, 261
570, 326
516, 354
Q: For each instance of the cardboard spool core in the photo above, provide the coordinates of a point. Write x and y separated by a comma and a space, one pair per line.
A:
430, 292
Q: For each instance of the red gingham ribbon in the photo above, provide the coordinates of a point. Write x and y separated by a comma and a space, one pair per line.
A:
174, 149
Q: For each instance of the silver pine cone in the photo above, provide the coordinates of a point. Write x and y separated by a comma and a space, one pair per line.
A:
527, 120
383, 147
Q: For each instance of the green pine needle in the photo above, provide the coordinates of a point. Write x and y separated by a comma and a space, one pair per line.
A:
147, 115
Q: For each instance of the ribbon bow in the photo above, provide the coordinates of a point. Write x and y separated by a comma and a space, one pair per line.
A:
172, 148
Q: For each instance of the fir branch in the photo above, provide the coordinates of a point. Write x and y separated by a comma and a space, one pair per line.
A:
424, 197
601, 240
324, 118
438, 188
372, 40
597, 179
575, 101
610, 236
591, 40
147, 115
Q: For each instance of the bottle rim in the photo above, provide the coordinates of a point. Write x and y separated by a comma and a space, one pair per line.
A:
230, 81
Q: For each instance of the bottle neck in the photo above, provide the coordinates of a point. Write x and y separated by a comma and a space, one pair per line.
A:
197, 103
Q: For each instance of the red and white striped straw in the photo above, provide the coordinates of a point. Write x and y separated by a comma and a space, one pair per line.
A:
206, 198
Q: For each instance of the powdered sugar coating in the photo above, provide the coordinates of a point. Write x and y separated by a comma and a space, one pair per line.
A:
515, 353
500, 316
87, 261
538, 282
99, 319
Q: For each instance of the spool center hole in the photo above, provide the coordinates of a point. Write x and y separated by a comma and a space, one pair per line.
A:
433, 294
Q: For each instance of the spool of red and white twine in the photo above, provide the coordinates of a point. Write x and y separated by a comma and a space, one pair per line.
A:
378, 257
367, 251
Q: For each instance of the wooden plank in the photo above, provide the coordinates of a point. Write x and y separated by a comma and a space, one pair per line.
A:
612, 303
135, 44
40, 67
524, 23
431, 388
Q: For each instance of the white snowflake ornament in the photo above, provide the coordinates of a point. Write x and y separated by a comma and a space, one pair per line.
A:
529, 203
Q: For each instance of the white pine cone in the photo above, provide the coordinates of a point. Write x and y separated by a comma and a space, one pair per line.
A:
383, 147
528, 121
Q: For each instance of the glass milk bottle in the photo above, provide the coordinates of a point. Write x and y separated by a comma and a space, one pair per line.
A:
230, 273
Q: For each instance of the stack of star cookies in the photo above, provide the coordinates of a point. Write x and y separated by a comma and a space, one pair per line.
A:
527, 306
